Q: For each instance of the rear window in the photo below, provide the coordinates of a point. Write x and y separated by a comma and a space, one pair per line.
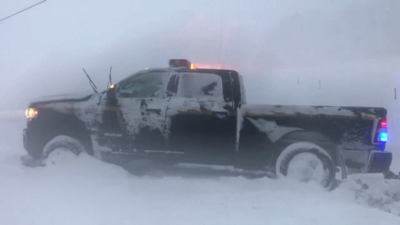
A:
200, 85
242, 90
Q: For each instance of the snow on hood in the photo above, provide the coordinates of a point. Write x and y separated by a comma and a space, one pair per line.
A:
75, 96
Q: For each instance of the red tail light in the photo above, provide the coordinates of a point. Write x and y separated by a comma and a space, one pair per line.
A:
383, 123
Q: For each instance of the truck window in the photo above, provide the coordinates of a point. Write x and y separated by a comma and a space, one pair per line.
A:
200, 85
149, 85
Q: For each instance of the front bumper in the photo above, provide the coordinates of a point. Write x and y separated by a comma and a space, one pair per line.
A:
25, 139
31, 143
379, 162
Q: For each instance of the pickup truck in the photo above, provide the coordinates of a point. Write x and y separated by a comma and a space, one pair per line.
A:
184, 114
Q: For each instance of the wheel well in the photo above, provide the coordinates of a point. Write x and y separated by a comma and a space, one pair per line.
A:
282, 165
312, 137
71, 126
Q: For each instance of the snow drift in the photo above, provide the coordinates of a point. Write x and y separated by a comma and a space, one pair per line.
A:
73, 189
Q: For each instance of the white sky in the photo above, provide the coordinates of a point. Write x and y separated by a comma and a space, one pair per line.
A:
43, 50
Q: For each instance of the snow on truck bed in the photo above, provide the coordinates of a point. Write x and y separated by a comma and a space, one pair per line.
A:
262, 109
84, 190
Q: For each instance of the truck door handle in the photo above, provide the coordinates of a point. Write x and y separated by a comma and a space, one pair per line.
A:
220, 114
158, 111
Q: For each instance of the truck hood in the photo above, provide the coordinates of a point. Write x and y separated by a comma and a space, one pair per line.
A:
76, 97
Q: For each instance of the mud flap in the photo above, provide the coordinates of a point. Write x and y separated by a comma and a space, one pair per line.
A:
391, 175
341, 170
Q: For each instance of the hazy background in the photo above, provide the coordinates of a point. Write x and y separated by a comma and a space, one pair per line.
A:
353, 47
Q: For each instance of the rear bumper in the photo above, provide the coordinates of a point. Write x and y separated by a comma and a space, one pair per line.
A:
379, 162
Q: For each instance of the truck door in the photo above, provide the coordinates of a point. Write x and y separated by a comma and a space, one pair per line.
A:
202, 120
139, 112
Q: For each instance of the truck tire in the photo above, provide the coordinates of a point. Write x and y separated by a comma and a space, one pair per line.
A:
65, 142
306, 163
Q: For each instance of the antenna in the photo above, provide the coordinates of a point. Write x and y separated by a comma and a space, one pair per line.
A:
110, 75
220, 43
91, 82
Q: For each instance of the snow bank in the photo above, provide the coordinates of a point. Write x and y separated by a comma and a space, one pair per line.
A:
375, 192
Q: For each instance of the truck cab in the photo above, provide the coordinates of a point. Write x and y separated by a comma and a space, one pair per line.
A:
176, 111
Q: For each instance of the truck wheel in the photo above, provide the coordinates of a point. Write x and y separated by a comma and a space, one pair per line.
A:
64, 142
307, 165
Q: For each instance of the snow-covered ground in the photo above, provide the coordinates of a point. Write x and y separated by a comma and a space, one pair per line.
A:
83, 190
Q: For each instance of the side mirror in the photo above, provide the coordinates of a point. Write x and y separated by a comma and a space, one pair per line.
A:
112, 92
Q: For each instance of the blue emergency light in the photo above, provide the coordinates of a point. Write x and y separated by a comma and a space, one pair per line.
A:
383, 136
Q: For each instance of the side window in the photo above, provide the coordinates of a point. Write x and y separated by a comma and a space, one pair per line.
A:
149, 85
200, 85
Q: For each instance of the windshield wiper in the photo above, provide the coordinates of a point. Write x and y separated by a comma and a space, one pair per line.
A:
91, 82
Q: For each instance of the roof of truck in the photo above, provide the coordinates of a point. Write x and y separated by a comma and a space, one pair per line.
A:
177, 65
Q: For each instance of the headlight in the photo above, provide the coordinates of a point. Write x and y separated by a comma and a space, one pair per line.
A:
31, 113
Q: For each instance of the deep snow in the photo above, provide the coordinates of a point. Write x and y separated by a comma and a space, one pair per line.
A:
74, 189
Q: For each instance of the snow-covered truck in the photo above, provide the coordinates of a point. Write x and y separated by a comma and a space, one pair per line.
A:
184, 114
